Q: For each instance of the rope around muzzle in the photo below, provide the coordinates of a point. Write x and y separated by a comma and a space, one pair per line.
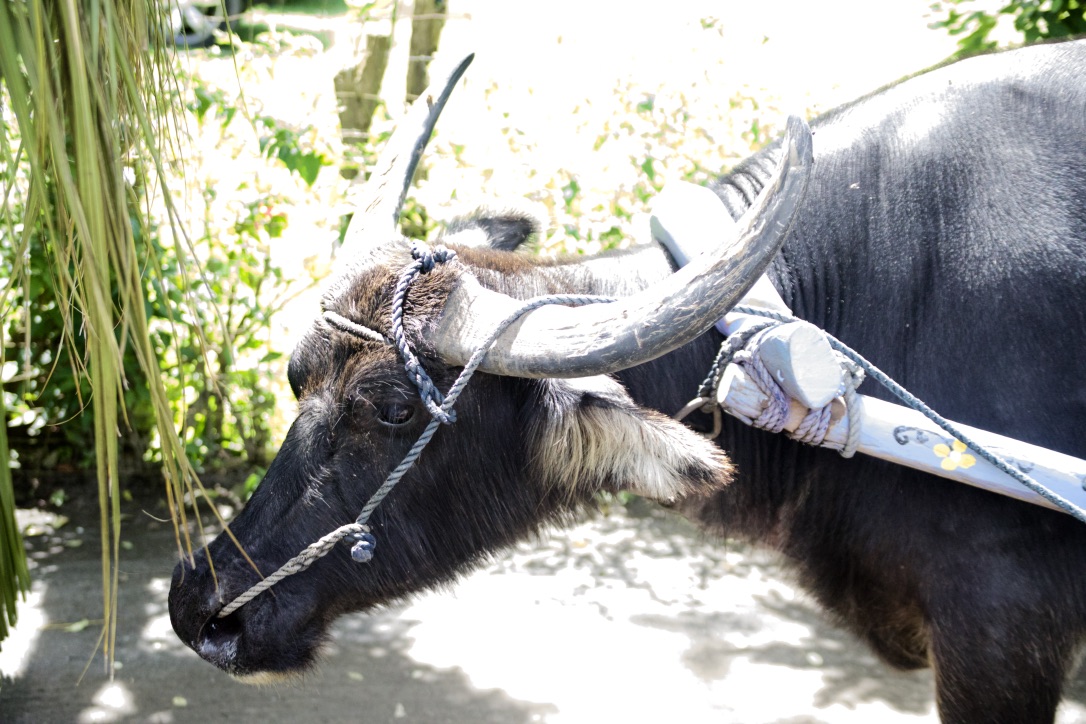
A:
440, 407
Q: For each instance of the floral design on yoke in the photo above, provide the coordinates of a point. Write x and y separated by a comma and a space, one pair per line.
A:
954, 456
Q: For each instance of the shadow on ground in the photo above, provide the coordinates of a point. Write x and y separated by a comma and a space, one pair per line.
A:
366, 675
633, 613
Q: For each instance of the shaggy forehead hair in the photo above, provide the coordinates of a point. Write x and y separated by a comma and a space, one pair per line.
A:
362, 292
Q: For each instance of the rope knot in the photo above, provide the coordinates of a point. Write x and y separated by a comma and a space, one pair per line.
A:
741, 349
365, 544
428, 258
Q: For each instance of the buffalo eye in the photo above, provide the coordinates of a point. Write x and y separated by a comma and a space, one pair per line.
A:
395, 414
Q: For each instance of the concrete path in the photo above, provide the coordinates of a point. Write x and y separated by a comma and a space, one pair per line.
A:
632, 617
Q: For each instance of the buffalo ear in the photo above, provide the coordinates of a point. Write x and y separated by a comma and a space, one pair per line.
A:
502, 231
592, 436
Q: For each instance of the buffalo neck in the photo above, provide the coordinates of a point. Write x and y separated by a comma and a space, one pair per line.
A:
765, 469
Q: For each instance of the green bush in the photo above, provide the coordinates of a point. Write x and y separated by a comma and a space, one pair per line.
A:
1034, 20
214, 360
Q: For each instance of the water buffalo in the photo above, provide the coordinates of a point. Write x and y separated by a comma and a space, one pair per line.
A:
942, 235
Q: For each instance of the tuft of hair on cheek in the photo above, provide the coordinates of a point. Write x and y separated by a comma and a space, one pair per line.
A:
605, 441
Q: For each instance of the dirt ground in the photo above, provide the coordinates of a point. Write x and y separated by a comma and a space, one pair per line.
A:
632, 617
629, 617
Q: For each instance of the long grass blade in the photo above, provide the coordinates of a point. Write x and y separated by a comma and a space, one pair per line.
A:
86, 91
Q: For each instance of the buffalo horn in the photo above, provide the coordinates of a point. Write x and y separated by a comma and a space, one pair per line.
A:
381, 199
559, 341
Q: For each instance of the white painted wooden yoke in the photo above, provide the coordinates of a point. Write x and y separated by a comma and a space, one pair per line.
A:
687, 218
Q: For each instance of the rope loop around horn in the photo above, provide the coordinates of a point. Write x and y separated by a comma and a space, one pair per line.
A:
424, 260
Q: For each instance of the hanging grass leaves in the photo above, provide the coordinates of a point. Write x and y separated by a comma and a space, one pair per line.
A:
89, 94
14, 576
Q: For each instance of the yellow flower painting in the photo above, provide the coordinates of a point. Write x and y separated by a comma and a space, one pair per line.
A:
954, 456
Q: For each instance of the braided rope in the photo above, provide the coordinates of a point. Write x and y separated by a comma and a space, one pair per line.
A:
297, 564
345, 325
740, 348
732, 345
775, 413
852, 406
706, 401
814, 426
917, 404
440, 407
424, 261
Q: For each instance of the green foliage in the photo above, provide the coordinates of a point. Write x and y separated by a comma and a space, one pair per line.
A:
415, 222
14, 574
217, 360
651, 137
287, 145
46, 386
208, 324
570, 192
204, 99
1034, 21
223, 412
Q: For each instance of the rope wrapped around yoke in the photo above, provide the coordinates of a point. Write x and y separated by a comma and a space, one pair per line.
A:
741, 349
857, 366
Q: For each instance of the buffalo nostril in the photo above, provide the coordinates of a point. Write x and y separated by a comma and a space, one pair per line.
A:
218, 641
209, 632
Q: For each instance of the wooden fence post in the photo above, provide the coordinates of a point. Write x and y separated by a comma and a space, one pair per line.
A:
358, 89
427, 22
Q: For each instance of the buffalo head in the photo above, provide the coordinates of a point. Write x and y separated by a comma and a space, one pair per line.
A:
538, 434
